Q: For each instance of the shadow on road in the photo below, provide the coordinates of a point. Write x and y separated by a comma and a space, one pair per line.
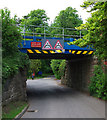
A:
50, 92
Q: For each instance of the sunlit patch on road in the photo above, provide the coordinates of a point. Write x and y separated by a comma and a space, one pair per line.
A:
46, 78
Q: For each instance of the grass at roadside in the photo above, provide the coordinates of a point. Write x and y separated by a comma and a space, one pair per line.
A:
14, 108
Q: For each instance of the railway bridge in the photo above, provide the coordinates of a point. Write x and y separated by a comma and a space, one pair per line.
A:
79, 65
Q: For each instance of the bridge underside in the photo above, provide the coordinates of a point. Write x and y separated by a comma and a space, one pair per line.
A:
78, 73
56, 56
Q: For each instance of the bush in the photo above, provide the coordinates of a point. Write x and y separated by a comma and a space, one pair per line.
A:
58, 67
98, 83
62, 68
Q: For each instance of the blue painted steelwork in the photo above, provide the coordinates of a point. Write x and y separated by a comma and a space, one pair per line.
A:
26, 44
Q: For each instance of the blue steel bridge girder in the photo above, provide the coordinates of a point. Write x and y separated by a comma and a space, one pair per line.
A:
67, 51
51, 47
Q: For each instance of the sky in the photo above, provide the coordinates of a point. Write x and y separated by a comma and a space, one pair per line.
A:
52, 7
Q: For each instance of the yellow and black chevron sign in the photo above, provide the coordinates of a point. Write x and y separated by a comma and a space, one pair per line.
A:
44, 51
77, 52
81, 52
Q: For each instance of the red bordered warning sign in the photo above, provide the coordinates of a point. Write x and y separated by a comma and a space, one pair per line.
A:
47, 45
58, 45
36, 44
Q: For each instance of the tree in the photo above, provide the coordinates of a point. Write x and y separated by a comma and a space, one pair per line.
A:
96, 28
67, 18
36, 18
35, 65
10, 34
12, 59
96, 38
45, 66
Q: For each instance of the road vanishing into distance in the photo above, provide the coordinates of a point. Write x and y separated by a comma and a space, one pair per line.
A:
48, 99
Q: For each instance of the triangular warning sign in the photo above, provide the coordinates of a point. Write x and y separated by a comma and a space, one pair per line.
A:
58, 45
47, 45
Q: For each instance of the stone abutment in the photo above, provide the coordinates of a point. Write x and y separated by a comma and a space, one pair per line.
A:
78, 73
15, 88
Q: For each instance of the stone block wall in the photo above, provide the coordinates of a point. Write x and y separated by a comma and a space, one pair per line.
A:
78, 72
15, 88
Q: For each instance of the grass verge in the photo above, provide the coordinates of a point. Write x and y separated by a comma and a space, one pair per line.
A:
10, 111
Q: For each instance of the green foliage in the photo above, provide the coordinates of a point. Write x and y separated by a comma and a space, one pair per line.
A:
55, 67
98, 84
62, 68
10, 34
45, 66
96, 26
11, 64
35, 65
67, 18
11, 38
58, 67
35, 18
12, 109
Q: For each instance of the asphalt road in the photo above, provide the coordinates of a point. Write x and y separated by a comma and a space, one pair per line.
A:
48, 99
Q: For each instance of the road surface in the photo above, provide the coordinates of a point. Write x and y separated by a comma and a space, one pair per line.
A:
48, 99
